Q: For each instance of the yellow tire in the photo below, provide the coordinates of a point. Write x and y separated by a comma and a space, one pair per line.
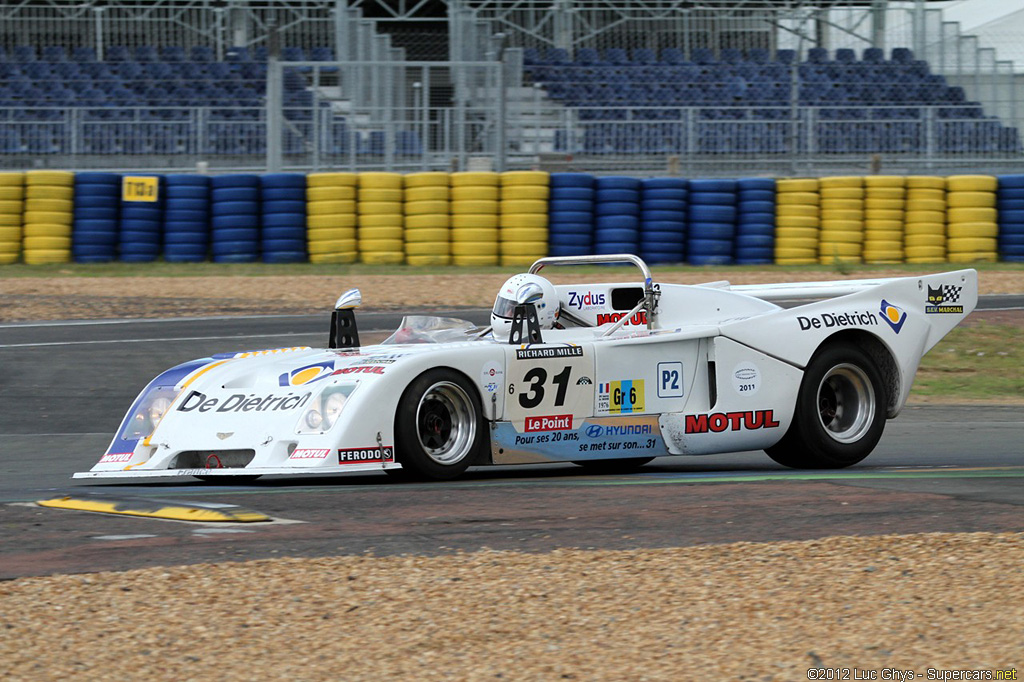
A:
473, 235
842, 205
972, 257
12, 193
474, 261
841, 181
11, 206
971, 199
960, 230
798, 222
430, 193
337, 193
474, 206
330, 234
475, 193
525, 193
50, 177
925, 260
800, 243
919, 240
50, 192
890, 246
524, 220
10, 257
46, 243
514, 178
384, 245
378, 180
874, 204
12, 179
380, 221
841, 249
873, 182
475, 220
10, 219
848, 193
883, 226
524, 234
926, 205
377, 233
971, 215
10, 234
467, 178
427, 248
883, 214
428, 221
930, 254
475, 248
926, 182
331, 207
316, 222
426, 208
380, 208
911, 217
796, 211
914, 229
797, 198
338, 258
428, 234
842, 236
46, 230
796, 233
53, 205
55, 217
325, 246
47, 256
382, 257
425, 261
426, 179
807, 256
844, 224
796, 185
972, 183
833, 259
374, 195
331, 180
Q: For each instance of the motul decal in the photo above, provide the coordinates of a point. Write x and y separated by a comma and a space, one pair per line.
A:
638, 318
730, 421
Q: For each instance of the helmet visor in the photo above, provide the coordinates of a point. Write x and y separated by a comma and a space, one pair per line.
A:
504, 307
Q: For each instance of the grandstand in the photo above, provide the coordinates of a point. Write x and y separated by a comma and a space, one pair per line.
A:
715, 87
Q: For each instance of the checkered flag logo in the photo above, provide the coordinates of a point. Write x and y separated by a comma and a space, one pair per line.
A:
951, 293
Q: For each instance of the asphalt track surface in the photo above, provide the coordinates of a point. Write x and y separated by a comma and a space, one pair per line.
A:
65, 386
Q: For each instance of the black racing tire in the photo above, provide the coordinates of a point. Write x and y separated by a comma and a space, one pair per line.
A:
623, 465
840, 411
439, 427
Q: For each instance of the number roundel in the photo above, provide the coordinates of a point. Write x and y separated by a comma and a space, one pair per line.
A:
537, 378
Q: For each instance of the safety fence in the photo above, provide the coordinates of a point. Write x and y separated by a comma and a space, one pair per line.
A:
486, 218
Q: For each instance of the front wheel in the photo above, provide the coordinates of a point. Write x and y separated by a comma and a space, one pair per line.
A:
840, 411
439, 431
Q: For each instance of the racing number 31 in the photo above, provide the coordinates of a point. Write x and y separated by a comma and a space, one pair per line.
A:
537, 378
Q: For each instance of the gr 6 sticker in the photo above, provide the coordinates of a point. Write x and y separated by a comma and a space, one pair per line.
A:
621, 397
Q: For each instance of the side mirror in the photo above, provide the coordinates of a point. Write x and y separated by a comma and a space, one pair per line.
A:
349, 300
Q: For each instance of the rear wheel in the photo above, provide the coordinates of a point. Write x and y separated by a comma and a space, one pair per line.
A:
840, 411
439, 431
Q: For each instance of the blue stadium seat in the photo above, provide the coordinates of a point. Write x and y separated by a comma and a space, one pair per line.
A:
644, 55
874, 55
588, 55
146, 53
54, 53
758, 55
172, 53
201, 53
24, 54
672, 56
238, 54
845, 55
83, 54
117, 53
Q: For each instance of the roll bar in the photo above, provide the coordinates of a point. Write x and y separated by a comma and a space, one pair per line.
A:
651, 295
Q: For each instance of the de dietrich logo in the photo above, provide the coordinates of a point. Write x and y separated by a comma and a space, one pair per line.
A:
240, 402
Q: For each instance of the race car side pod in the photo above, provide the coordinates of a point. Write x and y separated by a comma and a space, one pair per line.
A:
344, 332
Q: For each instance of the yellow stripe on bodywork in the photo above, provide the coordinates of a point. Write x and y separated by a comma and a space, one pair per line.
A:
155, 509
201, 371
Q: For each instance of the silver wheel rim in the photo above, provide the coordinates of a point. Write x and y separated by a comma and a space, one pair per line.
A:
846, 403
445, 423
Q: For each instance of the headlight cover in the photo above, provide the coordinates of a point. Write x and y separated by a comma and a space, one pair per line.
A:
325, 411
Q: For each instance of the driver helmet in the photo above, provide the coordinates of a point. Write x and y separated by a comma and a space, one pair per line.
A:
505, 304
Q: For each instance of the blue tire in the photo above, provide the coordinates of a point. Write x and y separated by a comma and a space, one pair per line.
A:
756, 185
289, 233
279, 206
1009, 204
712, 214
754, 241
677, 205
570, 206
96, 201
106, 239
571, 228
708, 247
229, 222
186, 180
657, 184
234, 208
572, 194
236, 235
605, 248
283, 181
607, 196
234, 180
575, 217
1014, 181
616, 222
105, 213
617, 182
235, 194
97, 178
187, 192
289, 220
712, 186
246, 249
578, 239
178, 214
571, 180
658, 216
712, 199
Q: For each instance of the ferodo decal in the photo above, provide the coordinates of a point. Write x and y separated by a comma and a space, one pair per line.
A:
746, 378
730, 421
586, 300
240, 402
366, 455
893, 316
620, 397
492, 376
638, 318
531, 353
316, 453
830, 320
941, 299
307, 374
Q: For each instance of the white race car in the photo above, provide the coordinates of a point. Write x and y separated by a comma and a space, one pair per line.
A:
607, 376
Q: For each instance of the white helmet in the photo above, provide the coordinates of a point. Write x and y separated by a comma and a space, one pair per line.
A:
511, 292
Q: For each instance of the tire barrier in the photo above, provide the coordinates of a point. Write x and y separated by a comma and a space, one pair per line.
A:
12, 205
797, 221
140, 239
95, 222
971, 227
663, 203
48, 217
523, 221
427, 219
283, 218
475, 217
841, 238
1010, 204
755, 221
381, 218
616, 214
924, 224
711, 225
186, 218
571, 214
235, 218
331, 217
884, 207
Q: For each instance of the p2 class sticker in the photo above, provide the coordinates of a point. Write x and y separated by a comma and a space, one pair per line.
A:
746, 378
492, 377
